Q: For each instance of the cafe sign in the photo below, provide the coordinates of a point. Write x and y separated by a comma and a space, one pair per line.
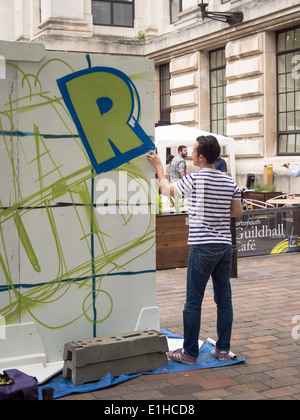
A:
264, 234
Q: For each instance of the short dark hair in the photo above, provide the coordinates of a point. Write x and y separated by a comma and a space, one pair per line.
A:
169, 159
209, 147
180, 148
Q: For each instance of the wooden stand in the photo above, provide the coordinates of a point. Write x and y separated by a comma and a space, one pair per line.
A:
260, 196
172, 249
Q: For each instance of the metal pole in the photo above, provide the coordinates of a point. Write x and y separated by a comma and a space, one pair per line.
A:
234, 268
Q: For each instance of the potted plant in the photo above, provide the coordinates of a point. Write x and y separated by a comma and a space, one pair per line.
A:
262, 192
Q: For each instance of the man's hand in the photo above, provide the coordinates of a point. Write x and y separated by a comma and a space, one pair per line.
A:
155, 161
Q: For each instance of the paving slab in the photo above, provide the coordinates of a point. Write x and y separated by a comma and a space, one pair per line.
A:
266, 298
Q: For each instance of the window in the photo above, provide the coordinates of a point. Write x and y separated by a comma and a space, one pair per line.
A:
175, 9
288, 91
165, 95
113, 12
218, 99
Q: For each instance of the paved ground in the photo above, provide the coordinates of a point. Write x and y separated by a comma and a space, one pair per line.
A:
266, 302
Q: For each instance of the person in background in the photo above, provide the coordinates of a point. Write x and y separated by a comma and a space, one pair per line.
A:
178, 165
294, 172
221, 165
168, 167
213, 198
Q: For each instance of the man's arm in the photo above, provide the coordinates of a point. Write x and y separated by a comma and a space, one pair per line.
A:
182, 169
166, 188
294, 172
236, 208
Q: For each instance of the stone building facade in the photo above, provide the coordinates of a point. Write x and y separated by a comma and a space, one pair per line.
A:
240, 80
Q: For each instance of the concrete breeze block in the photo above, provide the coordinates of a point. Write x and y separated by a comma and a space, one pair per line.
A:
125, 366
91, 359
94, 350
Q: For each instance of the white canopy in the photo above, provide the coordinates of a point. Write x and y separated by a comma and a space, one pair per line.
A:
176, 134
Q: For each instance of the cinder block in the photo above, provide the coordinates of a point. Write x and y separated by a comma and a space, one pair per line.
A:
117, 367
122, 346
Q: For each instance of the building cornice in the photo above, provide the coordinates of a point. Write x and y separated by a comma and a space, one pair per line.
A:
209, 34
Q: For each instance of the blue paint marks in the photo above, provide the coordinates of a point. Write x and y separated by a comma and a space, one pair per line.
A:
105, 107
115, 149
17, 286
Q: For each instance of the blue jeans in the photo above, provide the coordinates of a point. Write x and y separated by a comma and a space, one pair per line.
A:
205, 261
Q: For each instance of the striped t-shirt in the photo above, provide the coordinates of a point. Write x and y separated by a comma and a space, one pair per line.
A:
210, 193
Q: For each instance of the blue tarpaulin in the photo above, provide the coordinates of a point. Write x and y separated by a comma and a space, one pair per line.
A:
63, 387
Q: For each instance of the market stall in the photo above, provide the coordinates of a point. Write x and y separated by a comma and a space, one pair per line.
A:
175, 135
172, 224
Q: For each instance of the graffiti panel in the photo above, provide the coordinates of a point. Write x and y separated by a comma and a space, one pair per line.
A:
76, 197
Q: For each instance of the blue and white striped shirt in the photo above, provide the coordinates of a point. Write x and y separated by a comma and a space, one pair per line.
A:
295, 172
210, 193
